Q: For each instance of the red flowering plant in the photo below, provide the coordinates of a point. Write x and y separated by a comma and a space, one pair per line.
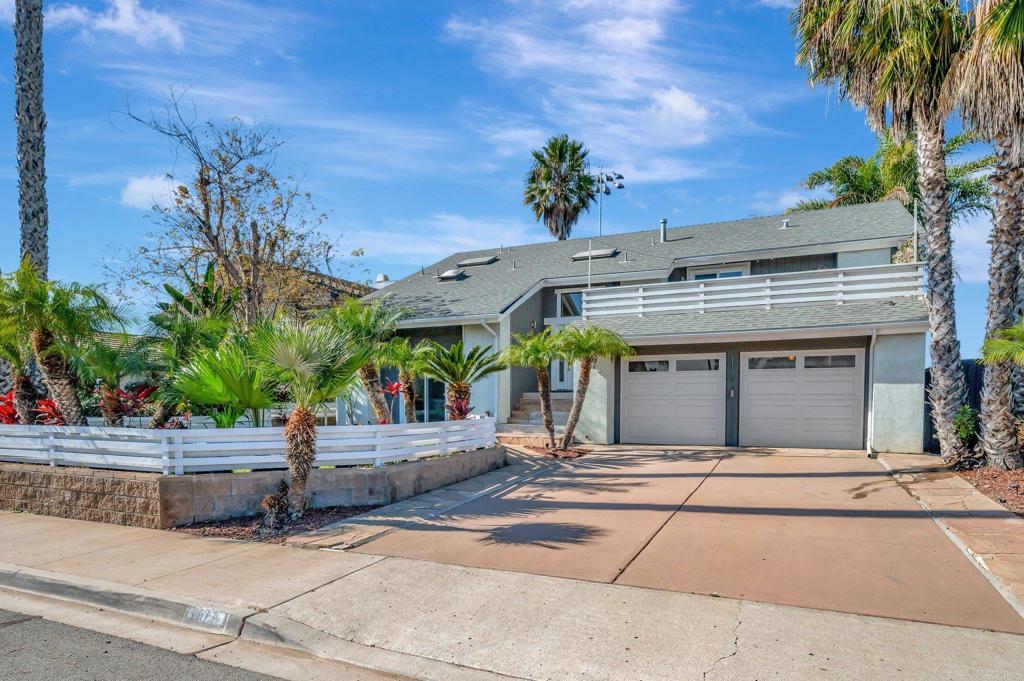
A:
8, 414
458, 409
393, 389
49, 415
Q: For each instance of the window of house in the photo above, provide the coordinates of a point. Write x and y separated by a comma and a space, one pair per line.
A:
830, 361
719, 272
571, 303
647, 366
696, 365
772, 362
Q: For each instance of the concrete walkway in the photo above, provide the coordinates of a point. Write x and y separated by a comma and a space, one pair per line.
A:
433, 620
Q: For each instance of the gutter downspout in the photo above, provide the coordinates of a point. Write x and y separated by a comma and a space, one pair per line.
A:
871, 394
497, 381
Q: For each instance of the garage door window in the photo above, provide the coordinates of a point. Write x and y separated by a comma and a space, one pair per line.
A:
830, 362
648, 366
772, 362
696, 365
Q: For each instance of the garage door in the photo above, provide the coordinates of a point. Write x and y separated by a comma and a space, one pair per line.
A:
674, 399
802, 399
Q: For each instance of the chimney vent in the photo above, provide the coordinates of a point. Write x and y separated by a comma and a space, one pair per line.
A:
785, 224
664, 230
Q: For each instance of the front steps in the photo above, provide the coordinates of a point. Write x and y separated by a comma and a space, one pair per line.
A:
525, 426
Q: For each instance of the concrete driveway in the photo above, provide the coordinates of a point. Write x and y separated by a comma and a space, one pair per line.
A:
818, 529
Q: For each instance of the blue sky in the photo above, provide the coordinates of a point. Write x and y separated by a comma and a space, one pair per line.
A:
411, 122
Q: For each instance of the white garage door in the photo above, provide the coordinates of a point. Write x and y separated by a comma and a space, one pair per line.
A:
674, 399
802, 399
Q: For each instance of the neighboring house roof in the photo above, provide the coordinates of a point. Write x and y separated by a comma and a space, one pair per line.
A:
873, 313
490, 289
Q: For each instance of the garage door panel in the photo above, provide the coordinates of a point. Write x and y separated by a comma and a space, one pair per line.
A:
801, 406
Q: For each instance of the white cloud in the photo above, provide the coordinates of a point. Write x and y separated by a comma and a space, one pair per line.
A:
148, 191
778, 4
126, 18
773, 202
971, 250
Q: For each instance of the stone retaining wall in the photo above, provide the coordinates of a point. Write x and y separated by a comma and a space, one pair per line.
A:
153, 500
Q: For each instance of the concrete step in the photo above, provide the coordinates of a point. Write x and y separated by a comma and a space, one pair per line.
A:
537, 415
557, 395
526, 428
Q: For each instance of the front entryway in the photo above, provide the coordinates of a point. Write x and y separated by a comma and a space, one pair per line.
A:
674, 399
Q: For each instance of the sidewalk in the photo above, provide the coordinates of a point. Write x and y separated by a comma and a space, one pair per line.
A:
428, 620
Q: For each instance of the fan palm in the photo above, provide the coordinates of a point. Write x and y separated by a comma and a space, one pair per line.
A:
316, 363
537, 351
559, 187
230, 380
371, 325
893, 58
586, 345
989, 87
410, 360
459, 370
54, 317
108, 360
891, 174
16, 352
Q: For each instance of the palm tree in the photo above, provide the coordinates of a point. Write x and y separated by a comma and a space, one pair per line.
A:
371, 325
537, 351
16, 352
559, 187
231, 380
55, 317
894, 59
203, 298
459, 370
891, 174
31, 123
316, 363
586, 345
990, 92
411, 362
107, 361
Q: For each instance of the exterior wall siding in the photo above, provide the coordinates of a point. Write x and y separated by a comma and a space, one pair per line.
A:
526, 318
898, 394
877, 256
484, 398
802, 263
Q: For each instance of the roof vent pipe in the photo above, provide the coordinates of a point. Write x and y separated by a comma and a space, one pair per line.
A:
785, 224
664, 230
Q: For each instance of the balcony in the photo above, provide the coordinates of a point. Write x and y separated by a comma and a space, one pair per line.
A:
765, 292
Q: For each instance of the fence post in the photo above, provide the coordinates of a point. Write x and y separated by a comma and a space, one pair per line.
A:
442, 438
839, 289
700, 302
179, 455
50, 450
768, 293
640, 295
377, 460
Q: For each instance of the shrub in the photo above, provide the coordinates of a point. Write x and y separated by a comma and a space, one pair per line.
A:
965, 424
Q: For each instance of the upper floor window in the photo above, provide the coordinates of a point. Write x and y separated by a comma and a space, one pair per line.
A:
718, 272
570, 303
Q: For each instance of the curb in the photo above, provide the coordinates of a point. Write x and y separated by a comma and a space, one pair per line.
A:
184, 612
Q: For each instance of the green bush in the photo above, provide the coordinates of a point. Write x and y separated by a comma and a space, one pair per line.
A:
965, 423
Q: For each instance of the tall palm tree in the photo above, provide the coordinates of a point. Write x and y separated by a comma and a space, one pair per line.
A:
537, 351
891, 174
108, 361
559, 187
54, 317
459, 370
30, 119
16, 352
893, 58
586, 345
990, 91
372, 325
316, 363
411, 362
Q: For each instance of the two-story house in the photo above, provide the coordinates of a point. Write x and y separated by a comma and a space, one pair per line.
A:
786, 331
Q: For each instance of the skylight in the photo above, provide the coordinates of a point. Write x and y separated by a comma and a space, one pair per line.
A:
450, 275
472, 262
596, 253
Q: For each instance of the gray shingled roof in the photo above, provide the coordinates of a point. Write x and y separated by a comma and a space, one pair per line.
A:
491, 289
905, 310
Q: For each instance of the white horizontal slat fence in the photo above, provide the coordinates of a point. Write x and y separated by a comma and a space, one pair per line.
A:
176, 452
850, 284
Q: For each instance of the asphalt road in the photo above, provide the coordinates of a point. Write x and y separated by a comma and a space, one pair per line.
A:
33, 649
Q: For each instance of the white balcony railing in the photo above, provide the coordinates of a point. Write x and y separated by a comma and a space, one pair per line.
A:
845, 285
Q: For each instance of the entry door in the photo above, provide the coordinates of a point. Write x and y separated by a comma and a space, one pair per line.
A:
562, 375
673, 399
812, 398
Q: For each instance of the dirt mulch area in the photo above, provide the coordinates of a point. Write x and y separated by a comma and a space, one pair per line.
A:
1006, 487
573, 453
251, 528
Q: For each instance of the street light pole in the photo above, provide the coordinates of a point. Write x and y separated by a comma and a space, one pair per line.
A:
605, 182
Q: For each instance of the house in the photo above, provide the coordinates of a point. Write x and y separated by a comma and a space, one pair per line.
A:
784, 331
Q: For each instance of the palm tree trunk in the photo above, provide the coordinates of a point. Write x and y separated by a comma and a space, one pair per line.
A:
161, 415
408, 397
544, 388
60, 377
25, 397
300, 453
371, 381
111, 407
582, 383
947, 387
998, 425
31, 124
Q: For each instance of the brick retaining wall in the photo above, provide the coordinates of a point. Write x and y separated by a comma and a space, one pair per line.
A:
154, 500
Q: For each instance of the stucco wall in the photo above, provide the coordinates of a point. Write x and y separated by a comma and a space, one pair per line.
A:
484, 398
898, 394
527, 318
597, 419
875, 256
